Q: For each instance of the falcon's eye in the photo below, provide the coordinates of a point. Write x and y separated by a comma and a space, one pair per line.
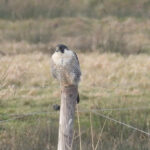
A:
61, 48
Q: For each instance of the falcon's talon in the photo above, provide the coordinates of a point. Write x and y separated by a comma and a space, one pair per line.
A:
56, 107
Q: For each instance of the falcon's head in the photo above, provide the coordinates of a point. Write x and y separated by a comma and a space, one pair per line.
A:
61, 48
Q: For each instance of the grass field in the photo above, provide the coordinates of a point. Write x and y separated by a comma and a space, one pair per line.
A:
112, 40
115, 62
69, 8
109, 80
125, 36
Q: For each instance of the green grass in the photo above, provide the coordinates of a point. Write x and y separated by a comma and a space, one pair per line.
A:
114, 81
109, 80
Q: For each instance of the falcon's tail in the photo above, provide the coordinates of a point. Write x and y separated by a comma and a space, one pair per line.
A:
56, 107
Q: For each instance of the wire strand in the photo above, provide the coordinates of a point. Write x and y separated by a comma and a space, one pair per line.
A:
122, 123
25, 115
123, 109
95, 111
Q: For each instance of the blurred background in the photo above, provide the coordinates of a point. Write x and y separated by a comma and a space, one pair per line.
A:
84, 25
112, 40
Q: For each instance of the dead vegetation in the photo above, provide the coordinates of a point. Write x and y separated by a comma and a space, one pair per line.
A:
129, 36
108, 81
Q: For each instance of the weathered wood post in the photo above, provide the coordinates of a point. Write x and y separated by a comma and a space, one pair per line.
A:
66, 120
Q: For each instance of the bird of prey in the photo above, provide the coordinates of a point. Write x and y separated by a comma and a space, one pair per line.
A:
65, 67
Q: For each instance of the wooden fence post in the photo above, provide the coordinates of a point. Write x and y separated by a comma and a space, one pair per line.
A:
66, 120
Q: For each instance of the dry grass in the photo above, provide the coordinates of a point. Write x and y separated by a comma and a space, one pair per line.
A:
59, 8
114, 56
108, 81
128, 36
99, 70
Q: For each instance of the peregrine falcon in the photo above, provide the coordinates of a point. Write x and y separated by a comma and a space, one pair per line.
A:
65, 67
